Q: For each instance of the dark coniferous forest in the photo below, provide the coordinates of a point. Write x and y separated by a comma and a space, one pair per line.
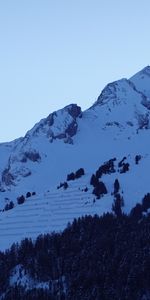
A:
95, 258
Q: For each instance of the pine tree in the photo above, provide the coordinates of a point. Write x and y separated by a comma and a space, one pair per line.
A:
117, 205
116, 186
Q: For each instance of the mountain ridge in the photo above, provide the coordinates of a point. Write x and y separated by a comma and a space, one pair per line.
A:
116, 125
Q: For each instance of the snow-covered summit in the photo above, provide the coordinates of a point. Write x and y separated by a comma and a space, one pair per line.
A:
122, 104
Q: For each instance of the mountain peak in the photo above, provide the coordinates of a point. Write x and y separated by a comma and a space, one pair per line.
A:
110, 91
116, 90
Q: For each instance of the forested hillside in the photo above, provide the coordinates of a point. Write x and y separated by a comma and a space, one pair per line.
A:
94, 258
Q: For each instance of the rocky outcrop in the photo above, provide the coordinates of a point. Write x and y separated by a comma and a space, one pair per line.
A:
63, 124
7, 177
74, 110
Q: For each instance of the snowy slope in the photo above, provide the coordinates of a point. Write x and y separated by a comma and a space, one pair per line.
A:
117, 125
52, 210
141, 81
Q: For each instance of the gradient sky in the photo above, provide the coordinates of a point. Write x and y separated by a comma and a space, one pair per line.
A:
56, 52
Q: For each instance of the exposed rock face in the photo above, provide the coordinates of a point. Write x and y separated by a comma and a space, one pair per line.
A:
74, 110
7, 177
63, 123
50, 119
143, 120
31, 155
72, 129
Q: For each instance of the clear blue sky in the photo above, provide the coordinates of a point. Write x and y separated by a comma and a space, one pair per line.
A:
55, 52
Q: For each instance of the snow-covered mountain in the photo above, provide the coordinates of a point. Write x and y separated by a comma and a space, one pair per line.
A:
116, 126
